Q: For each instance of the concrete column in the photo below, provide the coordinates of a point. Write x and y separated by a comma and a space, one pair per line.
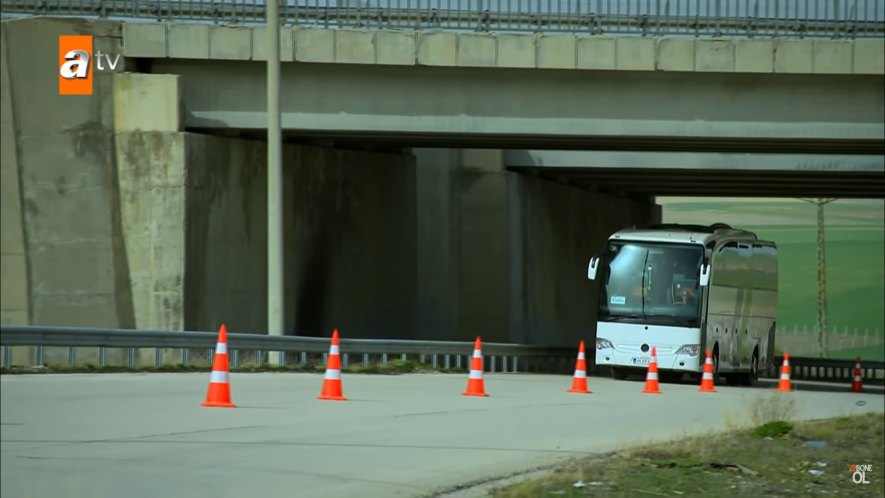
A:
438, 242
14, 295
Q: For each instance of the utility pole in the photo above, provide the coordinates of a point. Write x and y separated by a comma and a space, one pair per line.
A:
274, 180
821, 276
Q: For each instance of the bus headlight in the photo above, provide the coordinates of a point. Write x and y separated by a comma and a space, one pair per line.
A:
604, 344
689, 349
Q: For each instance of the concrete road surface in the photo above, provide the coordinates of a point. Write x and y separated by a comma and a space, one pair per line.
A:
130, 435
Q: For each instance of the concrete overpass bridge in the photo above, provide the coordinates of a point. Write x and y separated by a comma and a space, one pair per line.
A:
417, 167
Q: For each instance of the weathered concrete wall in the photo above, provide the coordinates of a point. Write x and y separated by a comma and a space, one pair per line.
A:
504, 255
438, 242
353, 243
152, 208
14, 295
64, 147
564, 227
66, 161
349, 234
226, 239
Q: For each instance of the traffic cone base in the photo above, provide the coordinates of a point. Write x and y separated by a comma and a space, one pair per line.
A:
475, 384
652, 386
332, 380
579, 382
784, 384
218, 395
707, 376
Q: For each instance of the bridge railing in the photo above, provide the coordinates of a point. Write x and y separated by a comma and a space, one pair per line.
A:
131, 347
763, 18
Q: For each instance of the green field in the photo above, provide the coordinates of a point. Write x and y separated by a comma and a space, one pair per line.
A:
855, 245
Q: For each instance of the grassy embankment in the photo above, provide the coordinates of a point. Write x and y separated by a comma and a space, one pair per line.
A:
776, 458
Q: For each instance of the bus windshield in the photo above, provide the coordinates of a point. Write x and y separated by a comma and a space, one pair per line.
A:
651, 282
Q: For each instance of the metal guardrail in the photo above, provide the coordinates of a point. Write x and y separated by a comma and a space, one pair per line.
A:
828, 368
74, 337
764, 18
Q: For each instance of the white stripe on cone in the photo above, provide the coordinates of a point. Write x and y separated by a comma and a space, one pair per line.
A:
333, 349
333, 374
652, 376
221, 348
219, 377
580, 374
708, 376
581, 356
477, 353
785, 376
475, 374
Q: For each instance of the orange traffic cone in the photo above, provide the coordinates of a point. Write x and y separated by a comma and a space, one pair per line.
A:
332, 381
651, 379
219, 384
857, 383
475, 384
784, 384
707, 377
579, 383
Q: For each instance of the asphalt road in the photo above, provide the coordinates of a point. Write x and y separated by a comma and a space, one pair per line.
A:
130, 435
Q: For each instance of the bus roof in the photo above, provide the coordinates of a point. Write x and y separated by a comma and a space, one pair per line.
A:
685, 234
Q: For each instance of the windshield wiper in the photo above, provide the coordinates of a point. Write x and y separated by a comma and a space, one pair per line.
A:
617, 318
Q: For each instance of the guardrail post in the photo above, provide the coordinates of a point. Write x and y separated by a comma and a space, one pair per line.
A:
402, 357
433, 361
185, 356
7, 356
282, 358
72, 356
384, 359
102, 356
344, 357
158, 357
492, 364
304, 358
40, 355
447, 362
258, 357
458, 361
132, 358
366, 360
504, 363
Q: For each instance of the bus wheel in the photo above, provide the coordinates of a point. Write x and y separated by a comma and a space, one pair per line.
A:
750, 379
618, 373
716, 364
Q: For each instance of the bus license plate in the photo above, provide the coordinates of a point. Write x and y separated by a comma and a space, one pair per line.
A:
641, 361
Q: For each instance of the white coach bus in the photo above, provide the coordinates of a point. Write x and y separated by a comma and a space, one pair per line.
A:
683, 289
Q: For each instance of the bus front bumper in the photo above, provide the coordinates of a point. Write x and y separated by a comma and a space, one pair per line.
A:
676, 362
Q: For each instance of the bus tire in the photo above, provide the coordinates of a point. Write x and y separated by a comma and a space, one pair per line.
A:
750, 378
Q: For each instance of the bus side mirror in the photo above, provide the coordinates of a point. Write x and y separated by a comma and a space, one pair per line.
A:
705, 275
592, 267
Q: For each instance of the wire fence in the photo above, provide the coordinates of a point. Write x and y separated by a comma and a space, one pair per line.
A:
804, 340
764, 18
